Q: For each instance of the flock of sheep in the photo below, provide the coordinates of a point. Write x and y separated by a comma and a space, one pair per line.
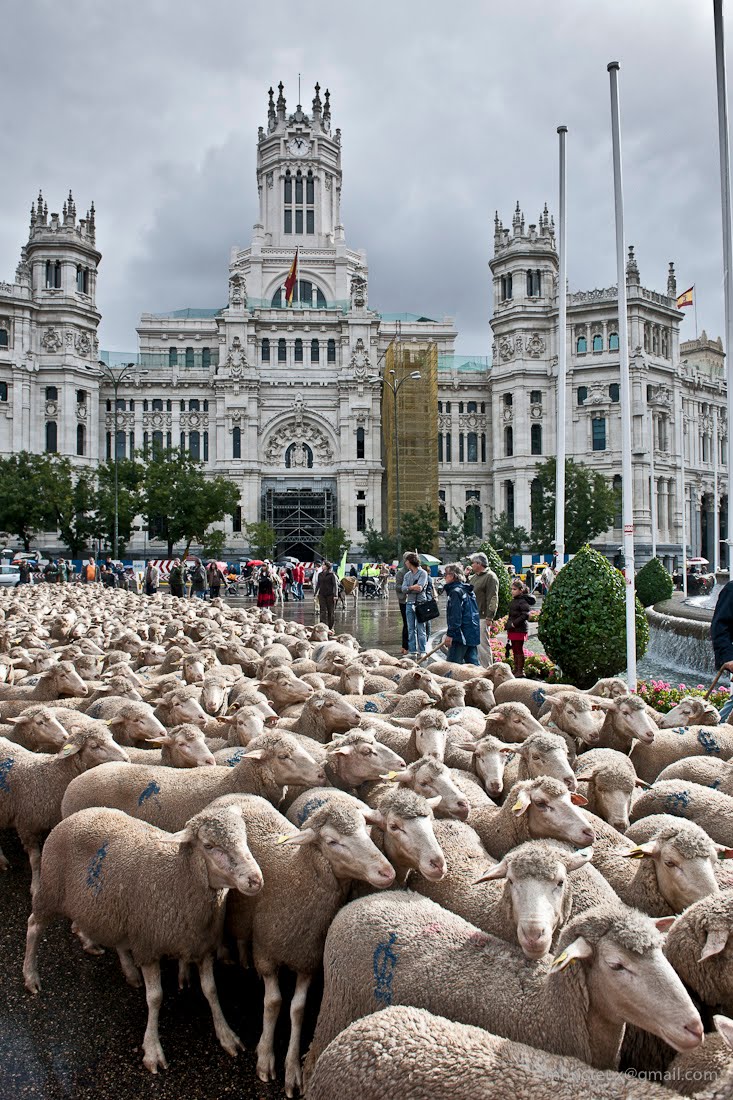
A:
513, 888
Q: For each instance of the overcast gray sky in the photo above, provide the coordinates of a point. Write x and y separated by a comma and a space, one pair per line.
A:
448, 112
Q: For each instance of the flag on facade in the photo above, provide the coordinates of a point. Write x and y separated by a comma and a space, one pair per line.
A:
341, 571
291, 280
686, 299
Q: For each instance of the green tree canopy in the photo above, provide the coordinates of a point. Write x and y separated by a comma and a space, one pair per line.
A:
130, 479
335, 540
29, 491
653, 583
75, 500
420, 529
180, 501
262, 539
590, 506
507, 538
377, 545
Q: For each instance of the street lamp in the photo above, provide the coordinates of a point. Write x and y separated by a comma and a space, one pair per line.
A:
116, 376
394, 385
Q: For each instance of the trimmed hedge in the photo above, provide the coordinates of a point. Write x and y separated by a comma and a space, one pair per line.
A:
653, 583
505, 587
583, 620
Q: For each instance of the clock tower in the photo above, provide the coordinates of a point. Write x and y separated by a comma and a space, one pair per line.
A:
299, 175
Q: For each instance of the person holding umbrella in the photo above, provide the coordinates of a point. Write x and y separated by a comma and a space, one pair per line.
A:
265, 588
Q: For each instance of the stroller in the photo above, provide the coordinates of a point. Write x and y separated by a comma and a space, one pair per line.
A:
371, 588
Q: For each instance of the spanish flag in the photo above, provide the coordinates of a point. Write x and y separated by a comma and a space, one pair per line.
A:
686, 298
291, 280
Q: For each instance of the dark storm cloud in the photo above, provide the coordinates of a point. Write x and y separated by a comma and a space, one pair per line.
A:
447, 113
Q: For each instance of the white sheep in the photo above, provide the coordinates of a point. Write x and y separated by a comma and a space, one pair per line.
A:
672, 744
710, 809
608, 780
536, 809
708, 771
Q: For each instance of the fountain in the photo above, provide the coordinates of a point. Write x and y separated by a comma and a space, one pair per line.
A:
679, 633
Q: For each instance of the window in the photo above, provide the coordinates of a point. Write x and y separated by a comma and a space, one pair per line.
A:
53, 275
189, 358
169, 440
360, 494
120, 441
157, 443
614, 392
582, 395
288, 226
315, 352
298, 221
282, 354
288, 188
597, 342
172, 357
483, 446
299, 188
447, 408
120, 404
3, 391
581, 345
536, 439
461, 447
506, 288
509, 501
310, 221
440, 446
3, 337
145, 405
534, 284
448, 447
157, 404
109, 445
473, 523
237, 520
508, 442
535, 397
535, 502
82, 279
194, 445
706, 448
265, 350
613, 341
80, 439
359, 442
483, 407
206, 447
206, 406
442, 512
599, 434
132, 445
361, 517
331, 351
206, 358
298, 454
472, 447
146, 444
131, 406
460, 407
471, 407
52, 393
618, 521
440, 406
508, 400
310, 190
194, 405
298, 351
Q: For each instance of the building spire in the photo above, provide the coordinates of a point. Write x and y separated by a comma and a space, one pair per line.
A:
317, 104
632, 269
281, 102
271, 110
327, 109
671, 282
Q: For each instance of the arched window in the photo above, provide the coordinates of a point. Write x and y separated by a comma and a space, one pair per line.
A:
3, 337
206, 447
614, 391
506, 288
359, 442
157, 443
315, 351
299, 188
472, 447
183, 406
120, 441
157, 404
536, 439
298, 455
194, 405
473, 524
613, 341
81, 439
237, 443
508, 400
206, 406
581, 345
288, 187
618, 515
304, 292
189, 357
508, 442
448, 447
145, 405
582, 395
168, 405
265, 350
460, 407
52, 393
194, 445
471, 407
597, 342
206, 358
535, 502
599, 434
172, 357
298, 351
282, 351
309, 190
131, 406
440, 446
331, 351
3, 391
509, 501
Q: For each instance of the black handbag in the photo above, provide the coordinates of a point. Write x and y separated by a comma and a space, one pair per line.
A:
428, 609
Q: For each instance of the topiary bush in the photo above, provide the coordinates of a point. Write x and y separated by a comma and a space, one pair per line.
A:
583, 620
653, 583
498, 567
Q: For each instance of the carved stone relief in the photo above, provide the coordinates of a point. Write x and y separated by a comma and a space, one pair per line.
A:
535, 346
51, 340
359, 360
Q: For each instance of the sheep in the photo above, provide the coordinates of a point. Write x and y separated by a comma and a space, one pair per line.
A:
32, 785
707, 771
534, 693
182, 747
671, 745
396, 948
429, 778
707, 807
470, 719
97, 870
700, 950
61, 679
608, 782
540, 754
305, 876
426, 737
662, 868
37, 729
357, 757
167, 797
457, 672
692, 710
485, 758
577, 717
325, 713
626, 723
535, 809
711, 1062
133, 723
181, 705
512, 722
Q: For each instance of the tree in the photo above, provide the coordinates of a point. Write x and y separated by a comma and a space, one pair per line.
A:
456, 541
334, 542
590, 506
74, 502
181, 501
379, 546
653, 583
507, 538
28, 488
583, 620
214, 542
497, 566
262, 539
420, 529
130, 502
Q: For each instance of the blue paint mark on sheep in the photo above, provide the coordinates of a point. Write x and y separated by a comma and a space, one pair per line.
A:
235, 758
708, 742
396, 679
454, 712
6, 766
681, 730
311, 805
715, 785
384, 962
370, 707
448, 675
677, 802
94, 870
151, 791
539, 696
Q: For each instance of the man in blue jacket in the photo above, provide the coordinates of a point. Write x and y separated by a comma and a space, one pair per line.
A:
721, 632
464, 622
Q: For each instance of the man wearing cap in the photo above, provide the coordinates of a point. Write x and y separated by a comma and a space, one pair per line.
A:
486, 589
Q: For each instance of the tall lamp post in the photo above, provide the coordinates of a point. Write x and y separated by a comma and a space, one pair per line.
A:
116, 376
395, 384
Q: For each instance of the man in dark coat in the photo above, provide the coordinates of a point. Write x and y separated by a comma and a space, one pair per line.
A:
464, 622
721, 633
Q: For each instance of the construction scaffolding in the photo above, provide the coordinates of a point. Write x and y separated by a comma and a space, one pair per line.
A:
410, 447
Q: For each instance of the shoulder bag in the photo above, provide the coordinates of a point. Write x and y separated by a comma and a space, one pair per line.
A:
428, 609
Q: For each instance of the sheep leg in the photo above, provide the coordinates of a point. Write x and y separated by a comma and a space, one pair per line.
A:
293, 1068
88, 944
265, 1047
153, 1052
131, 972
30, 967
4, 861
34, 856
228, 1039
184, 974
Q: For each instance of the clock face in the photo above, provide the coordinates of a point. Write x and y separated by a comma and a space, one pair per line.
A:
299, 146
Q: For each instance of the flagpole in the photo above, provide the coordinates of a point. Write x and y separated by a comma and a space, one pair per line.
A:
716, 502
684, 499
627, 488
725, 195
694, 303
652, 487
562, 360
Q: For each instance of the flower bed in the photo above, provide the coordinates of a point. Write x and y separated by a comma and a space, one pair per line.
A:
663, 695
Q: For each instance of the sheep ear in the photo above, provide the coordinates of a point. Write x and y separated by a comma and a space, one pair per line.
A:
470, 746
434, 801
578, 949
497, 871
585, 778
602, 704
14, 721
374, 817
715, 943
397, 777
161, 739
663, 924
403, 723
185, 836
724, 1027
256, 754
68, 749
642, 783
524, 801
649, 848
343, 750
574, 860
578, 799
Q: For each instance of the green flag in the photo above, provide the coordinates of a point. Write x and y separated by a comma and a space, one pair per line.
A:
342, 567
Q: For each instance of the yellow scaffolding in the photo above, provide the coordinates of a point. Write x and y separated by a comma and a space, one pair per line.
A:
416, 435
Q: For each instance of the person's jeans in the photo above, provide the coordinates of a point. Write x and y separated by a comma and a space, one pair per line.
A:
405, 634
726, 710
460, 654
415, 630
